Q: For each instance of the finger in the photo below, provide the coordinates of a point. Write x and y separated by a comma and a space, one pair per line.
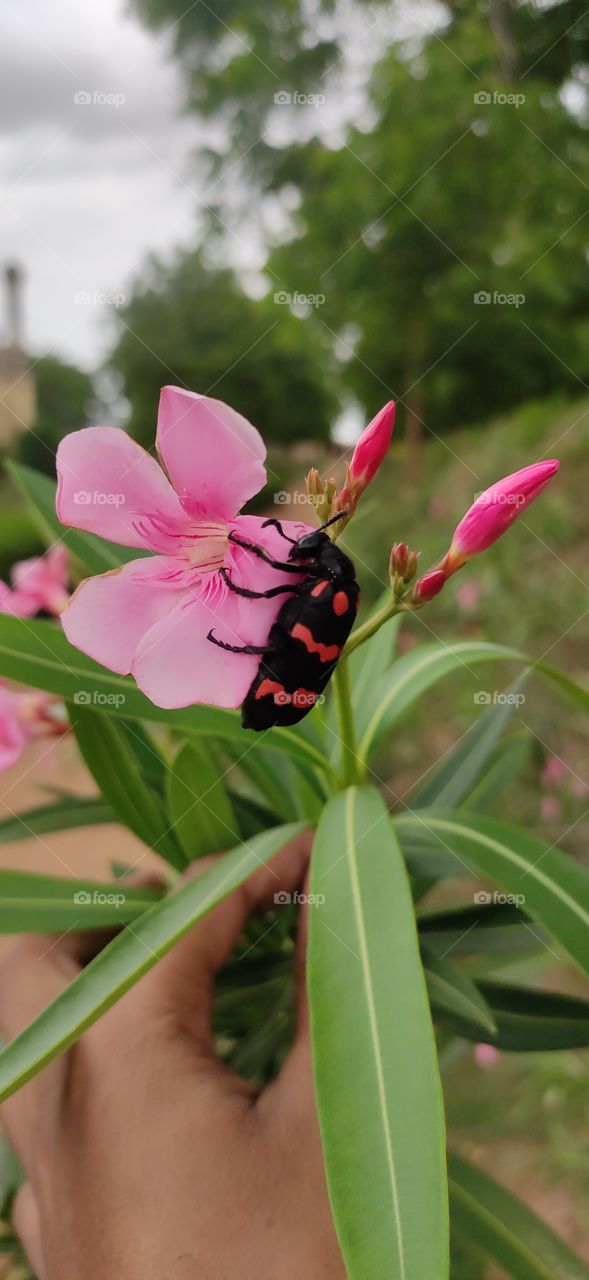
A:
27, 1224
183, 981
292, 1091
33, 971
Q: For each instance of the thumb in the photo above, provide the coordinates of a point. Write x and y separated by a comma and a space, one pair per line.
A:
182, 983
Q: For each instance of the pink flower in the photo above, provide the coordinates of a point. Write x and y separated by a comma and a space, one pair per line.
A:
468, 596
42, 581
553, 772
486, 1055
372, 446
24, 716
13, 736
152, 617
550, 809
496, 509
37, 584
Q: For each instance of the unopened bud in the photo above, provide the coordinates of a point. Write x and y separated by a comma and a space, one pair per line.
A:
427, 587
403, 563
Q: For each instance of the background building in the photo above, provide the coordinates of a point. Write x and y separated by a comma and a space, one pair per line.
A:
17, 384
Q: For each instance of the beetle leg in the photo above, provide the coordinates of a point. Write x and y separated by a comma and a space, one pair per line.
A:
307, 570
278, 526
259, 595
237, 648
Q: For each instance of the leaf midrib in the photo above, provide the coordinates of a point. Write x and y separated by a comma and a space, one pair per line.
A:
367, 978
552, 885
430, 659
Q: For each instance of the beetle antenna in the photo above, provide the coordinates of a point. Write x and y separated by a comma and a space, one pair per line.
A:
340, 515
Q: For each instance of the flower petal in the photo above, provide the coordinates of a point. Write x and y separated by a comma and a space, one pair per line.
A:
108, 615
13, 738
249, 571
109, 485
175, 665
214, 456
43, 579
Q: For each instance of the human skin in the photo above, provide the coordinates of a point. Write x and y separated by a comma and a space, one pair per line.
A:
148, 1159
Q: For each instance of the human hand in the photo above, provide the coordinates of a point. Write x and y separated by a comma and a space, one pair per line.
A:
147, 1158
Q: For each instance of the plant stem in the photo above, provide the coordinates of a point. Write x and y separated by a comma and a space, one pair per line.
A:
368, 629
351, 767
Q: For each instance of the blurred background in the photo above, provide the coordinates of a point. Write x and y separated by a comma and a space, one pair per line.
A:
306, 208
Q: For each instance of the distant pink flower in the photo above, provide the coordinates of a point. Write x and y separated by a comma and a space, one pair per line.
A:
496, 509
373, 445
152, 617
550, 809
486, 1055
37, 584
24, 716
468, 596
553, 772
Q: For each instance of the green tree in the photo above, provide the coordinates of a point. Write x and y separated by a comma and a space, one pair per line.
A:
196, 328
65, 396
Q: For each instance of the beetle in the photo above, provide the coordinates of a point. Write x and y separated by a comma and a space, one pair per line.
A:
307, 638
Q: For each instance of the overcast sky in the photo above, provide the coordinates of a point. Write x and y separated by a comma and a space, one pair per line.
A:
87, 188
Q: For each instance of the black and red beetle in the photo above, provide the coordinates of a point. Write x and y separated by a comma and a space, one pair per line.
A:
307, 638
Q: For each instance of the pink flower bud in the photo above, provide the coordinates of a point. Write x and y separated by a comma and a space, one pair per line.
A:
486, 1055
372, 445
496, 509
429, 586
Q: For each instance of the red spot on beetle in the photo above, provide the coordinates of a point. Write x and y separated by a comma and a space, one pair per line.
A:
303, 698
267, 687
326, 652
341, 603
319, 587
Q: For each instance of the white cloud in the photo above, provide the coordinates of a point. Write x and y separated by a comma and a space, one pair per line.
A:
88, 188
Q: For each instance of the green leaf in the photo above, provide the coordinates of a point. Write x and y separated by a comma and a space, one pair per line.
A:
114, 768
369, 663
198, 804
573, 692
455, 775
37, 653
529, 1020
555, 890
76, 811
506, 1229
128, 957
46, 904
506, 763
415, 673
376, 1076
93, 553
452, 991
480, 928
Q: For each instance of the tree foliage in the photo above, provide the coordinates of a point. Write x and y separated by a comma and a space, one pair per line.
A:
196, 328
